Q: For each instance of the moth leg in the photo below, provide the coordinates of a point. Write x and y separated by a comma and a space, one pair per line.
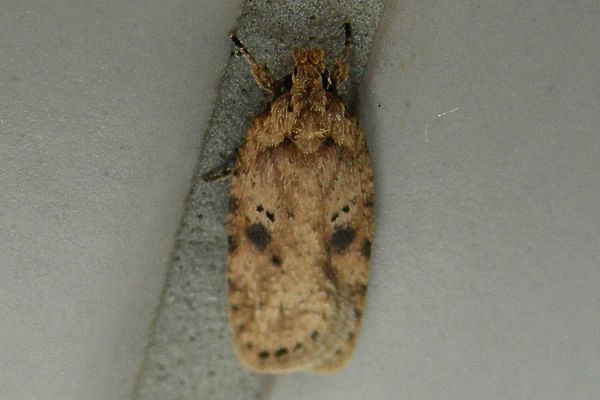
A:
222, 172
260, 72
218, 174
340, 66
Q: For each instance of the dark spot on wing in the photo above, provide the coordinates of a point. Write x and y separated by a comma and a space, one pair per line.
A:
271, 216
334, 216
281, 352
232, 286
233, 204
342, 238
365, 250
346, 209
260, 208
263, 354
298, 346
258, 235
231, 243
314, 335
361, 289
329, 272
275, 260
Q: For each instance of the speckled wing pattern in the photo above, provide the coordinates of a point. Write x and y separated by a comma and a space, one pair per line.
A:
299, 227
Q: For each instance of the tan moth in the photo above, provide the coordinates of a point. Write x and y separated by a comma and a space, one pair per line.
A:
300, 222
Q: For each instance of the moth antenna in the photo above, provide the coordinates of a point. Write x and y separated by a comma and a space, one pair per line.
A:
340, 66
348, 36
261, 73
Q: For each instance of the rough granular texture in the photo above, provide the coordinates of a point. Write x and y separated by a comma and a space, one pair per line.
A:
190, 355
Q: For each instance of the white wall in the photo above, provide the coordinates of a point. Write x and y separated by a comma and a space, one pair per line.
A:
483, 123
100, 123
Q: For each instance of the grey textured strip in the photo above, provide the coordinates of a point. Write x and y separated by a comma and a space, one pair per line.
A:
190, 355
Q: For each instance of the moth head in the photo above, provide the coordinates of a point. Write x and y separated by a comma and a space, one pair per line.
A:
310, 78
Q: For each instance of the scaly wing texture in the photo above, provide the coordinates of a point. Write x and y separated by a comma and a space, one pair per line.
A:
299, 231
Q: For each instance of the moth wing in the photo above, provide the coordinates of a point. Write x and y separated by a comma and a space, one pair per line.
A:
299, 229
350, 205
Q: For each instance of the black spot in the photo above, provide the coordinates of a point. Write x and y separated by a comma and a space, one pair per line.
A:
231, 243
232, 286
271, 216
365, 250
287, 141
346, 209
263, 354
281, 352
276, 260
314, 335
357, 314
329, 272
260, 208
235, 307
290, 108
298, 346
233, 204
334, 216
361, 289
342, 238
328, 142
258, 235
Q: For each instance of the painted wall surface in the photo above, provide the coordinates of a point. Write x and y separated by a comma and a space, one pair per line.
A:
482, 120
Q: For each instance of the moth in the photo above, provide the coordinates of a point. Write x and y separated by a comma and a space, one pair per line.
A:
300, 221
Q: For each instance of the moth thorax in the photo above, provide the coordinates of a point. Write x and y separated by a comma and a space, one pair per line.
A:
309, 137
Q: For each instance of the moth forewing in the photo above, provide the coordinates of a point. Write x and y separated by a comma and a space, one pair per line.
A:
300, 223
